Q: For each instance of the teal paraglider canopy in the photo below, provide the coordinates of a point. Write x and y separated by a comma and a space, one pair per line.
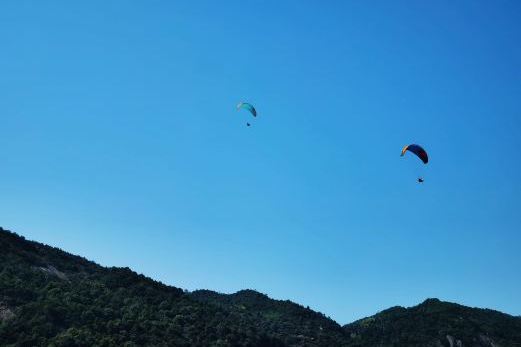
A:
247, 106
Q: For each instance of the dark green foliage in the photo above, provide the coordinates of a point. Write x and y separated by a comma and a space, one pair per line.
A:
51, 298
436, 323
287, 321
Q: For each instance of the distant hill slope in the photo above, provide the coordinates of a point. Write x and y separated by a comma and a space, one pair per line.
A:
52, 298
284, 320
436, 323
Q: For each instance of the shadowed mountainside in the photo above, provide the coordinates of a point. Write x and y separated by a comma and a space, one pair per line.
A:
436, 323
51, 298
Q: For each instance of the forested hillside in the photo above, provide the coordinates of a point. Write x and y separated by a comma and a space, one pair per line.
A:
51, 298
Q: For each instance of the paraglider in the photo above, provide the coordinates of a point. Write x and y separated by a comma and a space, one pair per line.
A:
419, 152
249, 107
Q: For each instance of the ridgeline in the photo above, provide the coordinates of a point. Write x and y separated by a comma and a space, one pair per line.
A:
52, 298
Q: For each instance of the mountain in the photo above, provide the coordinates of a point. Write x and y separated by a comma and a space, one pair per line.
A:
52, 298
436, 323
284, 320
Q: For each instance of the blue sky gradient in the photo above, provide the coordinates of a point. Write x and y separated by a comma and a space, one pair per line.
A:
120, 142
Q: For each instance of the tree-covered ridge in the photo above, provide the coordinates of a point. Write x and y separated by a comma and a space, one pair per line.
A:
436, 323
285, 320
52, 298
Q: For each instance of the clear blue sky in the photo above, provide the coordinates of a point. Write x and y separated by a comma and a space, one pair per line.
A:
120, 142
